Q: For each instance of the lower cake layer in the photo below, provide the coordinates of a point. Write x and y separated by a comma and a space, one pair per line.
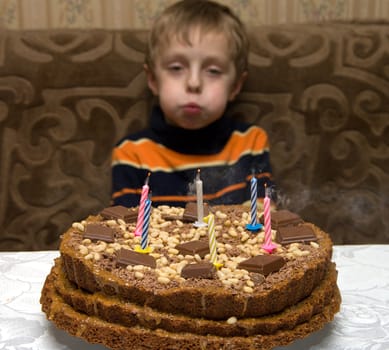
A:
96, 330
115, 310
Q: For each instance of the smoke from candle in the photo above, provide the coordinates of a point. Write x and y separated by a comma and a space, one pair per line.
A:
213, 179
295, 201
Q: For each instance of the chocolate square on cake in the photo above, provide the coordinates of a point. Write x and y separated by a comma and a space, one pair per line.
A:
292, 234
190, 212
129, 257
263, 264
194, 247
119, 212
98, 232
199, 270
283, 217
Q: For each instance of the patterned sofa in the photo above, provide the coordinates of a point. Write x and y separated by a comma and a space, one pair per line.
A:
320, 90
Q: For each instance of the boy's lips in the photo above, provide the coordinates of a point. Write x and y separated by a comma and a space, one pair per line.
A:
191, 108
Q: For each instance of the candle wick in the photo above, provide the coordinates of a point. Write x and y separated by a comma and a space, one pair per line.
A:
267, 190
147, 178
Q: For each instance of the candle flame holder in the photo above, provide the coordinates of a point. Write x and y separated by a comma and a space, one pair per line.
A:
254, 228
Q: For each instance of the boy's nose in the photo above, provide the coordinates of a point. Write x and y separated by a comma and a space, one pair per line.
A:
194, 82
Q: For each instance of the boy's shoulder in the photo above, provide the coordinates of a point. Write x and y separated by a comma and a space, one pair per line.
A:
242, 126
138, 135
234, 125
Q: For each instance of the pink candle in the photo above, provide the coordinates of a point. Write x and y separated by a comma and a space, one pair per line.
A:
142, 204
268, 244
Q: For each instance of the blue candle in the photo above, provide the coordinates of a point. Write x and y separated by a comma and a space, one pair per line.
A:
253, 225
145, 226
254, 195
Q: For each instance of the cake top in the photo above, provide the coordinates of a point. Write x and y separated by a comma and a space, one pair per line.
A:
177, 245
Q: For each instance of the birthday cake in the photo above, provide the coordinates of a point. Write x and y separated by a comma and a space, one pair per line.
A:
177, 292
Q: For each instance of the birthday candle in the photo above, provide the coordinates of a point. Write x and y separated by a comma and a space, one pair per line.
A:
199, 197
253, 226
142, 203
145, 226
268, 245
267, 215
212, 237
254, 195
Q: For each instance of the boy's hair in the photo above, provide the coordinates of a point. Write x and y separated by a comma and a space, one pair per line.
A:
178, 20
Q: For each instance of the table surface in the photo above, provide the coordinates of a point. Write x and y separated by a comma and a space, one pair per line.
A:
362, 323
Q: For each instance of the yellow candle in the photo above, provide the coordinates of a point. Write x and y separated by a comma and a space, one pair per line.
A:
210, 219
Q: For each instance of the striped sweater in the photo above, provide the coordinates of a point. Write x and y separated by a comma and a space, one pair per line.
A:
227, 153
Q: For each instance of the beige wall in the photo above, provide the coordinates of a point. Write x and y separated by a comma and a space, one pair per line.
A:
27, 14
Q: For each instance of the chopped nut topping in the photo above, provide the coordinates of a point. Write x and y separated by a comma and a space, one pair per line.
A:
234, 245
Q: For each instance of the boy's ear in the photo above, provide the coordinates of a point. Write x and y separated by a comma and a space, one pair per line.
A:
151, 80
237, 86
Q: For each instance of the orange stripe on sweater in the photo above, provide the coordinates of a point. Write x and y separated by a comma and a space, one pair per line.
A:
148, 154
206, 197
187, 198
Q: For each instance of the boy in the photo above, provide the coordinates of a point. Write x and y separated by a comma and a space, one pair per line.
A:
196, 64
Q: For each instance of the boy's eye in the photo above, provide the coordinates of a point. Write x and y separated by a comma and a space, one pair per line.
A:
214, 71
175, 67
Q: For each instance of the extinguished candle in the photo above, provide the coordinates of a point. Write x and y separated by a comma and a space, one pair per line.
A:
253, 225
254, 195
145, 226
212, 238
210, 219
268, 244
142, 203
199, 199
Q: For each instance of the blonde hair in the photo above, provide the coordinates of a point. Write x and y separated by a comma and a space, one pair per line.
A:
178, 20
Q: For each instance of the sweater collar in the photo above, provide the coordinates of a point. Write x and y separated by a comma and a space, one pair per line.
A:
208, 140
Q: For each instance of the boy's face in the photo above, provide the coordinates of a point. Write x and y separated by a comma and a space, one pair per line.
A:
195, 82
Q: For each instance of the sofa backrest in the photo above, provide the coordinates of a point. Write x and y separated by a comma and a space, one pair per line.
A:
321, 92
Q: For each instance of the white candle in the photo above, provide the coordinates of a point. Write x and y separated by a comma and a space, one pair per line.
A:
199, 198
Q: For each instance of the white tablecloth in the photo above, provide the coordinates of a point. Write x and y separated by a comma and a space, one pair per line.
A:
363, 322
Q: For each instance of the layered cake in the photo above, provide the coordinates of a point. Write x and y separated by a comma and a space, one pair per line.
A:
177, 292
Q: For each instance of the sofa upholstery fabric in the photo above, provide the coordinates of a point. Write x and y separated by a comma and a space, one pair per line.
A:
321, 91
